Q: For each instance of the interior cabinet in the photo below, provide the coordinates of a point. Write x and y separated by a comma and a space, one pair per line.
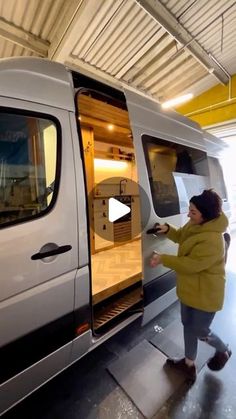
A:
104, 234
104, 229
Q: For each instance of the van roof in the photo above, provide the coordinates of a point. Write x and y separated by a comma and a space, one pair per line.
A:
50, 83
37, 80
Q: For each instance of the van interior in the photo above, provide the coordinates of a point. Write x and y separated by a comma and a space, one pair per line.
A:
115, 247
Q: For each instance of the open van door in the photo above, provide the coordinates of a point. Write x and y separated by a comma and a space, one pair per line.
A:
158, 283
166, 181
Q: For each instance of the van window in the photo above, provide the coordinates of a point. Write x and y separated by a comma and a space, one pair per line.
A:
28, 157
164, 161
217, 178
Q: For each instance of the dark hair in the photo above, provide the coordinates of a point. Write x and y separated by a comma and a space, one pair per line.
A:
209, 203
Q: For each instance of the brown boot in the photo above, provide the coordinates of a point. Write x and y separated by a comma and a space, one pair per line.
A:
218, 361
180, 365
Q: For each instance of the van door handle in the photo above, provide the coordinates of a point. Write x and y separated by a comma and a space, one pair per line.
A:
153, 230
57, 251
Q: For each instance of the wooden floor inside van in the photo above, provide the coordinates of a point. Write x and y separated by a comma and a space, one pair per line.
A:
116, 269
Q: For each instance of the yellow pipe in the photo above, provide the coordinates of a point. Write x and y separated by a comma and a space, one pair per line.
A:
210, 107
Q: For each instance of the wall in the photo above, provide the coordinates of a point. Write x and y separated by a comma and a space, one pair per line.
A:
213, 106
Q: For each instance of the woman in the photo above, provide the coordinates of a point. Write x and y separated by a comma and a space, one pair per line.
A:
200, 271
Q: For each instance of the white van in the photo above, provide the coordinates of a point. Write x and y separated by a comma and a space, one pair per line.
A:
70, 278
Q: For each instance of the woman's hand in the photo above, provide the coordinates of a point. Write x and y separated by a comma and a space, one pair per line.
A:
155, 260
162, 228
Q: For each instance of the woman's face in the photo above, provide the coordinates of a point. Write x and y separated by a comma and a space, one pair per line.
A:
194, 214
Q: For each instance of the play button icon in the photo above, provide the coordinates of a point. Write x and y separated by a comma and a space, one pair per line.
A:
119, 209
116, 209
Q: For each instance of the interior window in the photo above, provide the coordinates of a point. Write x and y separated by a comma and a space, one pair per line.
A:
28, 156
169, 166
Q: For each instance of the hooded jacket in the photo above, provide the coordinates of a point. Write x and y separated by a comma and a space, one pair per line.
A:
199, 265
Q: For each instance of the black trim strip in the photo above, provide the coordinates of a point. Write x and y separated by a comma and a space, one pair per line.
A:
80, 80
25, 351
158, 287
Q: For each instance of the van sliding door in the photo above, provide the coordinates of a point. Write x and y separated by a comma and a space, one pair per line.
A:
165, 171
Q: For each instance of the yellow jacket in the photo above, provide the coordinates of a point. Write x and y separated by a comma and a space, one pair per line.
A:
199, 266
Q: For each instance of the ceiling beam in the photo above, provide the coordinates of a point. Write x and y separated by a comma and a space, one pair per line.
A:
23, 38
159, 12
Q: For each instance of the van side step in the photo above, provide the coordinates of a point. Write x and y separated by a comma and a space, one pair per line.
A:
106, 316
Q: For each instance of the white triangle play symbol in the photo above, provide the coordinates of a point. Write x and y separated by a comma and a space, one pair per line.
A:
116, 209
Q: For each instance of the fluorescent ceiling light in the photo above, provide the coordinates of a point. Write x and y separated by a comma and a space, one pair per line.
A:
177, 101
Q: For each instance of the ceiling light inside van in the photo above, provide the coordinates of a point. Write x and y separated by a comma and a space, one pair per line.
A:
110, 164
177, 101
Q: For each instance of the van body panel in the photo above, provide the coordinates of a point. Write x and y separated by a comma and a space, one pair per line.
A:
37, 293
36, 307
36, 80
21, 385
80, 193
80, 346
82, 288
82, 313
148, 116
214, 145
157, 306
149, 121
145, 122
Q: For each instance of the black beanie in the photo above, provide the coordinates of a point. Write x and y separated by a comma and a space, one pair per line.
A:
208, 203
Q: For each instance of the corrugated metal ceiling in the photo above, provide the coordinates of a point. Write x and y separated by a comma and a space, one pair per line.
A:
163, 48
212, 24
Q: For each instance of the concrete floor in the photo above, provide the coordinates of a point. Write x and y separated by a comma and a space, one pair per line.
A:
87, 391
